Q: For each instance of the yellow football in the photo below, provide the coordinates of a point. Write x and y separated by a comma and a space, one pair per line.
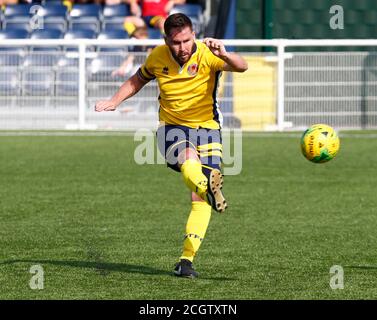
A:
320, 143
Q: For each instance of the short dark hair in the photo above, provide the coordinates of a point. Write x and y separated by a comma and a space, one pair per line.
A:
176, 20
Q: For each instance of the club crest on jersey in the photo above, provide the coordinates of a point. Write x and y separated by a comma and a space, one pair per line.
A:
192, 69
165, 70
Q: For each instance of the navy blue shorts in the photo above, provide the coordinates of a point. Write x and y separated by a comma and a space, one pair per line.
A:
172, 139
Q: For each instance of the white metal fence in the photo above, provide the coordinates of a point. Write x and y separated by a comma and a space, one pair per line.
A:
53, 84
339, 88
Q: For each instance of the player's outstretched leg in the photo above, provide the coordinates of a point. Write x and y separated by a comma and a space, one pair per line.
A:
210, 190
194, 178
215, 195
196, 228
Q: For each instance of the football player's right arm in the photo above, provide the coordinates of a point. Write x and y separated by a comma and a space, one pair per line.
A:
127, 90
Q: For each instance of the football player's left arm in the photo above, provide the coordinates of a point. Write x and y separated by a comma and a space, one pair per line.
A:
233, 61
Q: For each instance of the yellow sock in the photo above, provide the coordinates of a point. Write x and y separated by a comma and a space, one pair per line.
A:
196, 228
129, 27
68, 4
194, 178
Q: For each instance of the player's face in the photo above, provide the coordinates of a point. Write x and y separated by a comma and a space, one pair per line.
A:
181, 44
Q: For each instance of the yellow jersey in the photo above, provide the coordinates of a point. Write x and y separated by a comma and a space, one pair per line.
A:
188, 92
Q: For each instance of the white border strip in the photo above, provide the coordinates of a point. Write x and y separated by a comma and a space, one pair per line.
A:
253, 134
227, 42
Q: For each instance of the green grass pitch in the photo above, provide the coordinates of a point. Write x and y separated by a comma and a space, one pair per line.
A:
103, 227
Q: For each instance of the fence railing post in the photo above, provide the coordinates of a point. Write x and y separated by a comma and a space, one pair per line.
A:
280, 85
82, 86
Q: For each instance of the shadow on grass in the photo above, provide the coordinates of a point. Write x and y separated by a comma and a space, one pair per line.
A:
362, 267
104, 268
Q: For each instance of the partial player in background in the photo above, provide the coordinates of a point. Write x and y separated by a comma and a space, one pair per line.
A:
132, 63
128, 66
189, 134
150, 13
